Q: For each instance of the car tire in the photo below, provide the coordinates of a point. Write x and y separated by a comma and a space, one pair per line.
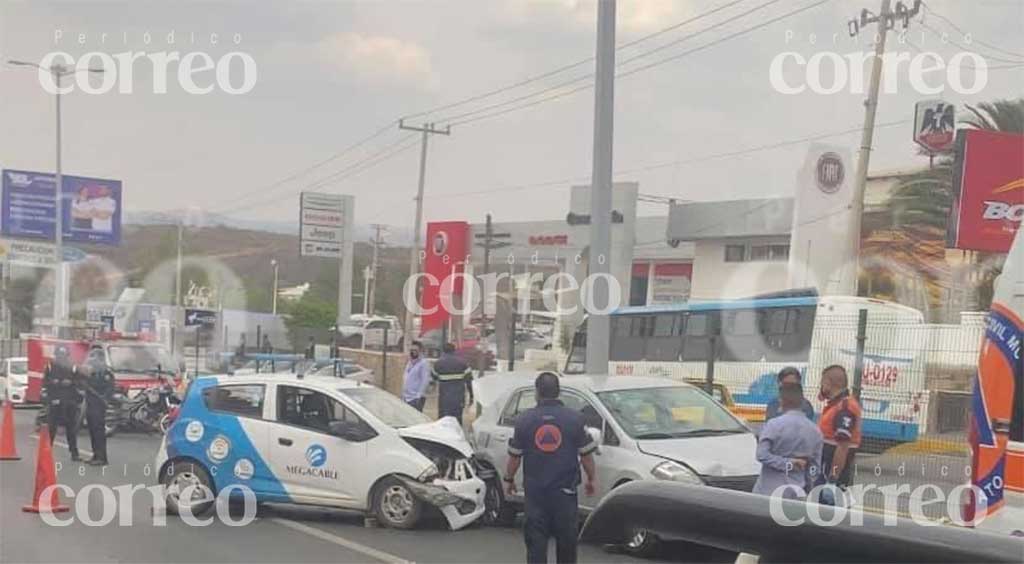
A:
497, 513
641, 542
395, 505
180, 475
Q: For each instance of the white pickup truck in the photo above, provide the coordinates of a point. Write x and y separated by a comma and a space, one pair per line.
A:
368, 332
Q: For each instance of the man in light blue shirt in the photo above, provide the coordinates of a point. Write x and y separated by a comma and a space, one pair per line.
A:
417, 378
774, 409
789, 448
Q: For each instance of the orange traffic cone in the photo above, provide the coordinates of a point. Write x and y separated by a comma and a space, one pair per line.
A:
8, 448
46, 476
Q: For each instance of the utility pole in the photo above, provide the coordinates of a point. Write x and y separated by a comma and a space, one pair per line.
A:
885, 20
414, 263
598, 326
489, 242
371, 292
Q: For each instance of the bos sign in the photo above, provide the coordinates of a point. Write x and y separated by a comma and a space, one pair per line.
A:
988, 176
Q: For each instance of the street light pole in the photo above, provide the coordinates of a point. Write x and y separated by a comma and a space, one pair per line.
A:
57, 71
599, 326
59, 315
274, 263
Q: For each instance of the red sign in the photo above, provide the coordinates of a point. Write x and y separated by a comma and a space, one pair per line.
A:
549, 240
447, 250
989, 171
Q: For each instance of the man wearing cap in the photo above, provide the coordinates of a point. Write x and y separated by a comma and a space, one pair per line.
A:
551, 443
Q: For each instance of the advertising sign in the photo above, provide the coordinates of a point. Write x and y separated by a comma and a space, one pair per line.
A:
322, 224
200, 318
671, 283
934, 125
91, 206
989, 178
28, 253
447, 247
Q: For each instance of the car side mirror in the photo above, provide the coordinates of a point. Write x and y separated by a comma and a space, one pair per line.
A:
351, 431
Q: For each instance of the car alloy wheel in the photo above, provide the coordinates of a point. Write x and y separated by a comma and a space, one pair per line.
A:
396, 506
183, 475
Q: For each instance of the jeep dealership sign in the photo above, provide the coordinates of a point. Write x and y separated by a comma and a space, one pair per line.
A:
989, 178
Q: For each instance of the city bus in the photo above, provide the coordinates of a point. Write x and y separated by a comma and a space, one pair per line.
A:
750, 340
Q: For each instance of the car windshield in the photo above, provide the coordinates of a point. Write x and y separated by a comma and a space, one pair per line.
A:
667, 413
140, 359
392, 411
18, 367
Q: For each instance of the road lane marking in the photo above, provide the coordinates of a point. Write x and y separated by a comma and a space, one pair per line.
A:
341, 541
62, 444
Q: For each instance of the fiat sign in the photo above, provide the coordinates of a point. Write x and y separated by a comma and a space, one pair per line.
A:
934, 125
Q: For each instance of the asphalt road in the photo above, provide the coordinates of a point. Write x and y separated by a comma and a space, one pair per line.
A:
280, 533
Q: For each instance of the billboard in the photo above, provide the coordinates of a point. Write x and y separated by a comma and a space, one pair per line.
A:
988, 180
322, 224
91, 206
446, 250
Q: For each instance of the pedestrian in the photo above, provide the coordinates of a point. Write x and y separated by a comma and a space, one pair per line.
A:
61, 382
311, 348
417, 377
455, 380
98, 389
551, 443
788, 374
240, 351
268, 347
789, 448
840, 426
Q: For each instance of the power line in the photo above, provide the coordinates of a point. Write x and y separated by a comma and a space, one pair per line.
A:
622, 74
569, 66
363, 165
965, 34
704, 158
298, 174
940, 35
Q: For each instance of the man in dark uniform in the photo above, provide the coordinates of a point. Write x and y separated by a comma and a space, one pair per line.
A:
552, 444
98, 388
64, 395
455, 379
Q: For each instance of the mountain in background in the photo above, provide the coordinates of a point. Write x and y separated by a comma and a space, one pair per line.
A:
196, 218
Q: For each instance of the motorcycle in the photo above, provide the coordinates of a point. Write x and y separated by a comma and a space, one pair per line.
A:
151, 410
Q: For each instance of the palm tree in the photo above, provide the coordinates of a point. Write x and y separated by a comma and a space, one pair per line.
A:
918, 209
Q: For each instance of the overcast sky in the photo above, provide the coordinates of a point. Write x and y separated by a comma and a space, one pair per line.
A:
330, 74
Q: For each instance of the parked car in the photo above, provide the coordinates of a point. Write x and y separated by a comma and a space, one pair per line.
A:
649, 429
318, 441
14, 380
344, 369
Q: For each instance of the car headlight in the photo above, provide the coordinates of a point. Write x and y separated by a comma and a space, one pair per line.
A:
676, 472
428, 474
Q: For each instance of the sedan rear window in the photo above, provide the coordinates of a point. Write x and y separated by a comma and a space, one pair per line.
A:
246, 400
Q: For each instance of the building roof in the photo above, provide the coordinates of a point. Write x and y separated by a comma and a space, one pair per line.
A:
694, 221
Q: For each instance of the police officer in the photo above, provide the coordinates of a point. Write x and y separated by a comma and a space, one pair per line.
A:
455, 379
98, 388
62, 383
551, 442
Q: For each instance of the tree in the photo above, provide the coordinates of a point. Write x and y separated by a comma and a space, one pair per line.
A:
918, 208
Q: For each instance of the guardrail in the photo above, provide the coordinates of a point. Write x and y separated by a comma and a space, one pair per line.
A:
743, 522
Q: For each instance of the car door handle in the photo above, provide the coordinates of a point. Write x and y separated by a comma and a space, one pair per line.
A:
283, 441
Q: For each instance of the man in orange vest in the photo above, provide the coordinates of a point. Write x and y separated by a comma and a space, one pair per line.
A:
840, 426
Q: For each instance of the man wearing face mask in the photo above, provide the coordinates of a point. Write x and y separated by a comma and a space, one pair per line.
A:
417, 378
840, 425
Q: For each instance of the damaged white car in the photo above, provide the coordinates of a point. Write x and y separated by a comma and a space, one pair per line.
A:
318, 441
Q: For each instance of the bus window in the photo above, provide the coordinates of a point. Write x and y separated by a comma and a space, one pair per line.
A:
697, 339
741, 336
665, 344
787, 334
630, 345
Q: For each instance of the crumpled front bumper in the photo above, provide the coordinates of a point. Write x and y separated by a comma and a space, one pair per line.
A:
461, 502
